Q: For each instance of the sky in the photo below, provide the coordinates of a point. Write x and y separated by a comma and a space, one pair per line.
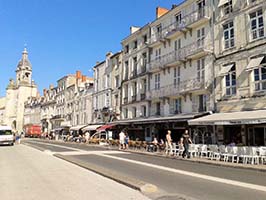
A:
63, 36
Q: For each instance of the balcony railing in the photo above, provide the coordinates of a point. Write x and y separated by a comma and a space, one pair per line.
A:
184, 25
180, 55
182, 87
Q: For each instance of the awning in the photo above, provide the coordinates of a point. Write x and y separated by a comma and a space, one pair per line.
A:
91, 127
104, 127
76, 128
222, 2
174, 118
254, 62
234, 118
225, 69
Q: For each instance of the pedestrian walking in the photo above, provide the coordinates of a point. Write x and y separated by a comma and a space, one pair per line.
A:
122, 140
185, 141
169, 147
126, 140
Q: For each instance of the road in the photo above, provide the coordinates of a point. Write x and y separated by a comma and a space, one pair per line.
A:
29, 174
170, 178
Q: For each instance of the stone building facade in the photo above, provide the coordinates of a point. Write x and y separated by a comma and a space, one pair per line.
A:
17, 93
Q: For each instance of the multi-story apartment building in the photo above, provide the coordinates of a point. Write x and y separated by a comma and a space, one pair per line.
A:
32, 111
60, 110
116, 77
48, 108
179, 54
240, 75
102, 96
135, 76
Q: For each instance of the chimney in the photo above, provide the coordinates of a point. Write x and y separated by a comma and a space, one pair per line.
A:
133, 29
44, 92
84, 78
51, 86
78, 75
174, 6
160, 12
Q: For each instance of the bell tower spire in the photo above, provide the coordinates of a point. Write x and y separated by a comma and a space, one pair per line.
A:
24, 70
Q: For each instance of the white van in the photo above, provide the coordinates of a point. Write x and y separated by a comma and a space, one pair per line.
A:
6, 135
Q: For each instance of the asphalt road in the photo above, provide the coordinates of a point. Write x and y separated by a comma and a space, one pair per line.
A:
174, 178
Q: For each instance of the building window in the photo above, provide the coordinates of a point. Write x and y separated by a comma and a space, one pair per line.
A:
230, 82
157, 81
228, 7
117, 81
178, 108
159, 30
176, 77
135, 66
126, 70
126, 49
144, 111
158, 108
202, 103
145, 39
201, 10
257, 25
135, 44
260, 78
229, 36
158, 54
201, 69
116, 100
178, 18
134, 112
126, 113
200, 37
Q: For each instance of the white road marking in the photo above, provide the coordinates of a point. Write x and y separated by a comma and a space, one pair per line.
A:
206, 177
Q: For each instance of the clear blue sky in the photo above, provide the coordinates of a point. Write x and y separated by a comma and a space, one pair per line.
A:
63, 36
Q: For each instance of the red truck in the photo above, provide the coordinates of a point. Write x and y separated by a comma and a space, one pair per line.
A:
32, 130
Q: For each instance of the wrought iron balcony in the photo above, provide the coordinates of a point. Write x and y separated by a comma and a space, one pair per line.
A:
173, 90
191, 20
196, 49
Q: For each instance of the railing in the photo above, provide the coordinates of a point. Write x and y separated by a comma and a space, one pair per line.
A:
186, 21
180, 54
183, 86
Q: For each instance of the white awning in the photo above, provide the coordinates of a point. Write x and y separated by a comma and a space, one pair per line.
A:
225, 69
234, 118
254, 62
76, 128
222, 2
91, 127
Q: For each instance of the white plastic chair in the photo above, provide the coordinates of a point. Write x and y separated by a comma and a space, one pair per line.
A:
231, 153
241, 154
192, 150
214, 152
262, 154
203, 150
252, 155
